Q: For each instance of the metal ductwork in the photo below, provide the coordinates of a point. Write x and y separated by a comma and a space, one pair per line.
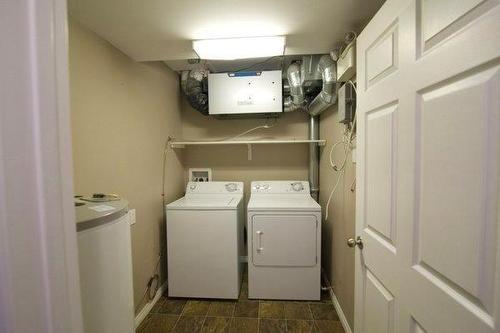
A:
297, 98
289, 106
304, 80
195, 86
295, 83
328, 94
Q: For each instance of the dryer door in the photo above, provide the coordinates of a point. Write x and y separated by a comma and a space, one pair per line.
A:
284, 240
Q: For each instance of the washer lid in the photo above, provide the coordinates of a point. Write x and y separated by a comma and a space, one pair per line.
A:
283, 202
206, 202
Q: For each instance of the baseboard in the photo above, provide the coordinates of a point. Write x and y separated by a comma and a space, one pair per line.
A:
336, 305
147, 308
340, 312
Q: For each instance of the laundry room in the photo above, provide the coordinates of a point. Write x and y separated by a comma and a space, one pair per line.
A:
130, 118
250, 166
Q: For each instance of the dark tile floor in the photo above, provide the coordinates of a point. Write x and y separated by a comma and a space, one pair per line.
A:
241, 316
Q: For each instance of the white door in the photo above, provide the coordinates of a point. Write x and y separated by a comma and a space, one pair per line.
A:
428, 197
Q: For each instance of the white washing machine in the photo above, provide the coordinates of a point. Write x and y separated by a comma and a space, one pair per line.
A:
284, 247
205, 241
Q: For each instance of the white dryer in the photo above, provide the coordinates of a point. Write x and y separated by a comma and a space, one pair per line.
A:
284, 246
205, 241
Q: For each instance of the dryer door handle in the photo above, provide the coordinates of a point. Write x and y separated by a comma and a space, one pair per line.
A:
259, 241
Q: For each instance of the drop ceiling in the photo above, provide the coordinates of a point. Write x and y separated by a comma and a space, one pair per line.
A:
162, 30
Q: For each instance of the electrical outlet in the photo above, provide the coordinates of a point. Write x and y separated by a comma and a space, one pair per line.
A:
131, 216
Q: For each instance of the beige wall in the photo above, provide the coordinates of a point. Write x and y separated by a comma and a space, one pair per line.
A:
338, 259
269, 162
122, 113
230, 163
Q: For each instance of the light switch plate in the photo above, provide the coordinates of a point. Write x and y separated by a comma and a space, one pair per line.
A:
131, 216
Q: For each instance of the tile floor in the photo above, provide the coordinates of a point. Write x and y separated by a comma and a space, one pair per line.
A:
241, 316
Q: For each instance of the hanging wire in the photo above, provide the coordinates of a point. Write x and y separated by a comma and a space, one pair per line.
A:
346, 142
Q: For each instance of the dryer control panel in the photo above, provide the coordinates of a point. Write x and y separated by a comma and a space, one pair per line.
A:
281, 187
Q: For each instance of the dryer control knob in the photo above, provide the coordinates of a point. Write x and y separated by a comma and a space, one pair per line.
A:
297, 186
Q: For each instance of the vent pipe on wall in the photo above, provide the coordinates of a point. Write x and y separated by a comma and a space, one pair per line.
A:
328, 94
314, 157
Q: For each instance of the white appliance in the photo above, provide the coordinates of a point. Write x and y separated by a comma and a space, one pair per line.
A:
284, 247
105, 260
205, 241
245, 93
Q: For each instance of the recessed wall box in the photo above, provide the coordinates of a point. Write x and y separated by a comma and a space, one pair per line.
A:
346, 104
346, 64
200, 175
245, 93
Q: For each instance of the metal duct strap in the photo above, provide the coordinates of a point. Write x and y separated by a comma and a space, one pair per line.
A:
328, 94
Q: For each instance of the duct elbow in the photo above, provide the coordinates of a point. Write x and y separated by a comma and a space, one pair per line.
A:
328, 94
322, 102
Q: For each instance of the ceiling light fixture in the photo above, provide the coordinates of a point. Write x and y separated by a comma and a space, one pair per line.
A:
239, 48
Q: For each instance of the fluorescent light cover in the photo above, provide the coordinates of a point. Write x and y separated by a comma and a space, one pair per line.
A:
239, 48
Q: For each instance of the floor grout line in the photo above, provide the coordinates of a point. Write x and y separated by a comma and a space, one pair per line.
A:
179, 318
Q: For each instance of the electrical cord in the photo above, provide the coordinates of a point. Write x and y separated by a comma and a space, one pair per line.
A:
346, 142
151, 291
265, 126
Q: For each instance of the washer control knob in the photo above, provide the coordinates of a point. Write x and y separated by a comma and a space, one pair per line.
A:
297, 186
231, 187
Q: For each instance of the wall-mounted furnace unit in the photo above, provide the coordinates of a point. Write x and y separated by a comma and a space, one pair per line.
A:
245, 93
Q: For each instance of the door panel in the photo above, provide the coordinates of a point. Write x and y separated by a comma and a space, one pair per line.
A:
428, 203
382, 56
284, 240
415, 327
380, 145
379, 306
455, 223
439, 20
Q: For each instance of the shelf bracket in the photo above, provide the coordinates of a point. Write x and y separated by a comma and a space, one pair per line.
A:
249, 147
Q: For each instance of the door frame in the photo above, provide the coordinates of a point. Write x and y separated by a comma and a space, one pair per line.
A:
39, 280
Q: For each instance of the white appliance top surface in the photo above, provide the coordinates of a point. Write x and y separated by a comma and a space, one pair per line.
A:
214, 188
209, 196
282, 195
